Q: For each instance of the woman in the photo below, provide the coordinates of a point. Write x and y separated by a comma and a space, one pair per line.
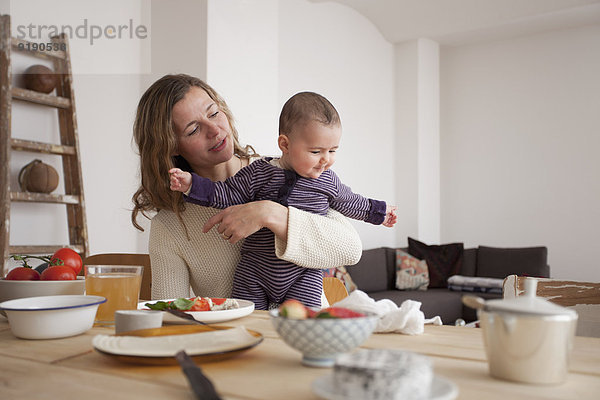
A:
182, 122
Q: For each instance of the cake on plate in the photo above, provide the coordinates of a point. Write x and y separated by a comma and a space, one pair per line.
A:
383, 375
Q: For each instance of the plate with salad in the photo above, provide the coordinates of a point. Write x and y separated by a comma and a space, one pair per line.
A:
203, 309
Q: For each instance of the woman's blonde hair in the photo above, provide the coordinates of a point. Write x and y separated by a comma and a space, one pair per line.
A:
156, 141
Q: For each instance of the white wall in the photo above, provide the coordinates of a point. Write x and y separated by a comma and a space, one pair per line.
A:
178, 44
406, 112
333, 50
243, 64
106, 83
518, 129
520, 137
429, 140
255, 53
417, 113
276, 49
178, 41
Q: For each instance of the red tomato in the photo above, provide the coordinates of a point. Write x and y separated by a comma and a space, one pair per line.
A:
59, 273
338, 312
200, 305
217, 301
23, 274
69, 257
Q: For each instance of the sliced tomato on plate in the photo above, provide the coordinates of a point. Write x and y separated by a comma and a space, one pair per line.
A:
200, 305
217, 301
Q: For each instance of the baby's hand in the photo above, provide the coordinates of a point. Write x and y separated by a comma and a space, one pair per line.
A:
390, 216
180, 180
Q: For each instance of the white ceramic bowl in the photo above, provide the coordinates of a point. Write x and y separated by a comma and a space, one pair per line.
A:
320, 340
51, 317
10, 290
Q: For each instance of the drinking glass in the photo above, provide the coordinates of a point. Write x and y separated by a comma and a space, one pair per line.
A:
120, 284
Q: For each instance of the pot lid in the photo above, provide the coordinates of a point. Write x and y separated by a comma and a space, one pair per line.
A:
528, 303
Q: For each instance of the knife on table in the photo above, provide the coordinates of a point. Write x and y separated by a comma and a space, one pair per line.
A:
201, 385
184, 315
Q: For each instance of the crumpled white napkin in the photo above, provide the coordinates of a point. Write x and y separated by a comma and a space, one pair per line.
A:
407, 319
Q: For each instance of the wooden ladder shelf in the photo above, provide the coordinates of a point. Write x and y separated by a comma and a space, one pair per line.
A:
68, 149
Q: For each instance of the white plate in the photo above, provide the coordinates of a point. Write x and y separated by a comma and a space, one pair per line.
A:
441, 389
158, 345
210, 317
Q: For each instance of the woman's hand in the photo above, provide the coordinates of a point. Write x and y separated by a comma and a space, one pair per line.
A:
238, 222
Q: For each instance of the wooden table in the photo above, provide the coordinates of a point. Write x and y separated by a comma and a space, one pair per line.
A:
70, 368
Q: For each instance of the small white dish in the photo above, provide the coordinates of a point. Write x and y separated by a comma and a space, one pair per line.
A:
133, 320
209, 317
441, 389
51, 317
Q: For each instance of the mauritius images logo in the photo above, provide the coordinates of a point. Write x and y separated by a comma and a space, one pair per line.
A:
85, 30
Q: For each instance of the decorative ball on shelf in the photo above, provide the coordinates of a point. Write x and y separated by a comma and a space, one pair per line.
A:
40, 78
38, 177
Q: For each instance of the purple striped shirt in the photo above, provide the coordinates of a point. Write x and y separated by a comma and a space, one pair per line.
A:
260, 270
263, 181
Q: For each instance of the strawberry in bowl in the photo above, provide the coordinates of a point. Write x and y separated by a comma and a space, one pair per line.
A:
320, 335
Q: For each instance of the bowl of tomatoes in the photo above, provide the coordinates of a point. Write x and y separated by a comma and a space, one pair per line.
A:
56, 275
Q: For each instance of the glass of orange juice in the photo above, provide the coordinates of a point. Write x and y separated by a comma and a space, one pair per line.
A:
119, 284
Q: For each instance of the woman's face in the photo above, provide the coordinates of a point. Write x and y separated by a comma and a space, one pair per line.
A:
202, 130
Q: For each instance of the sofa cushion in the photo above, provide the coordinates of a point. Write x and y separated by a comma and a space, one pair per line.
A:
411, 273
376, 270
469, 265
495, 262
443, 261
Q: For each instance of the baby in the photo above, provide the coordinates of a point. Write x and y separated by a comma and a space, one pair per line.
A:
309, 136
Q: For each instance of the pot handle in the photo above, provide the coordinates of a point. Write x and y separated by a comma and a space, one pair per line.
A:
475, 302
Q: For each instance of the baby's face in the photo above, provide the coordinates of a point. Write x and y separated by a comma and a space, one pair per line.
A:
312, 148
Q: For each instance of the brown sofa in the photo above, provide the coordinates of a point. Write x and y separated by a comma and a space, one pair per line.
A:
375, 274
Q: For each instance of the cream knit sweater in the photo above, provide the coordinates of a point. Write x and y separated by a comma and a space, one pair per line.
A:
207, 262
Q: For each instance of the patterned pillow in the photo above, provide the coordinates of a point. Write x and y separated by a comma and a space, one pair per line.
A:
342, 274
411, 273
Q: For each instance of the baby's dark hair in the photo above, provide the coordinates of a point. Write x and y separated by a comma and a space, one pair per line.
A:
304, 107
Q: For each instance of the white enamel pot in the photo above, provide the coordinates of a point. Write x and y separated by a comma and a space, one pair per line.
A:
528, 339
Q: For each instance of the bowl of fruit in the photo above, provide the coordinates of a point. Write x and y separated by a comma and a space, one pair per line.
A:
56, 275
321, 335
